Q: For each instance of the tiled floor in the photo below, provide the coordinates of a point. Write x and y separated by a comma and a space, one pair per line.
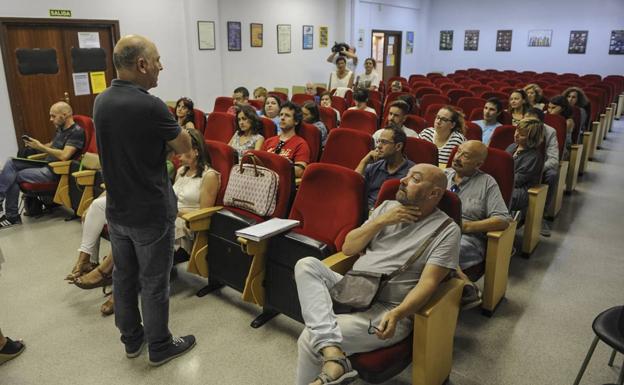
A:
538, 336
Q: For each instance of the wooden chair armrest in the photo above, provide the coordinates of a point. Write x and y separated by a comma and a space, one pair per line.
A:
60, 167
497, 258
447, 294
340, 263
41, 156
539, 189
85, 177
198, 220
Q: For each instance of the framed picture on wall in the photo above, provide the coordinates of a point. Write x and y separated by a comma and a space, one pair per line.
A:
255, 30
308, 37
206, 35
471, 40
616, 44
283, 38
503, 40
323, 36
578, 42
234, 35
446, 40
409, 42
540, 37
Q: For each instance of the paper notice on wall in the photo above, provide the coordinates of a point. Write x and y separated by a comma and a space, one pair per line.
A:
88, 40
360, 38
98, 82
81, 83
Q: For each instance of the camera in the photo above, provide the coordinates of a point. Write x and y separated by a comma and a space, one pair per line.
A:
339, 47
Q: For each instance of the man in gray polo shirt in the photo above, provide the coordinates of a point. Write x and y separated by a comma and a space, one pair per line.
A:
385, 162
386, 241
483, 209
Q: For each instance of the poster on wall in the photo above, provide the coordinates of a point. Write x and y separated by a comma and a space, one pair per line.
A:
540, 37
308, 36
206, 35
409, 42
503, 40
471, 40
616, 45
578, 42
446, 40
234, 35
323, 36
255, 29
283, 38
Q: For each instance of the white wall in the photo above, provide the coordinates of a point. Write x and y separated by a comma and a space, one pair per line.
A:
263, 66
393, 15
599, 17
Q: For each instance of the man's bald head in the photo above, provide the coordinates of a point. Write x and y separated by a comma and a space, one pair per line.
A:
469, 157
128, 49
423, 186
61, 108
61, 115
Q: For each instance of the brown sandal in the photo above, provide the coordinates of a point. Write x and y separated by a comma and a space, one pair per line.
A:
83, 282
108, 307
80, 268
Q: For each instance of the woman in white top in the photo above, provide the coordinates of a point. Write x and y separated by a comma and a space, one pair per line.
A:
370, 78
360, 95
447, 132
247, 135
196, 186
342, 77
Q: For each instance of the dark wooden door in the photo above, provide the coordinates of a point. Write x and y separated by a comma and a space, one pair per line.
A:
391, 56
31, 95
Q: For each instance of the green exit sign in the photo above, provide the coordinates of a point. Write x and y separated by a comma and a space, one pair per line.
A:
60, 13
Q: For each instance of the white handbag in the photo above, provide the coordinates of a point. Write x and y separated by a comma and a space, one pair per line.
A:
252, 187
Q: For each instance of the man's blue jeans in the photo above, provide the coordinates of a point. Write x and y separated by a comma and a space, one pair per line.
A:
143, 259
11, 176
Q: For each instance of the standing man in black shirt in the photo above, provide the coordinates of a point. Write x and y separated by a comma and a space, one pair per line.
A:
133, 129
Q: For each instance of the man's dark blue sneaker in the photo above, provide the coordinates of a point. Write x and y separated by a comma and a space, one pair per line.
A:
178, 347
133, 351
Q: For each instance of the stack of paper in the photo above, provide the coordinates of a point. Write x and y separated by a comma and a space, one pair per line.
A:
267, 229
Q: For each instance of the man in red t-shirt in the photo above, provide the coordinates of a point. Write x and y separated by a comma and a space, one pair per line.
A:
288, 144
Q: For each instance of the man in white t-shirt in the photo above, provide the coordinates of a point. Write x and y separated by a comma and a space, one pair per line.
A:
394, 231
397, 113
491, 111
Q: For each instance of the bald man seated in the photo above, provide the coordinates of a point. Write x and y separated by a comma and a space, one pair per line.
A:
388, 239
483, 210
68, 141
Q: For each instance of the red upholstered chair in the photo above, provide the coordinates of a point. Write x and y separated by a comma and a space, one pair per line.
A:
421, 83
415, 122
376, 105
477, 90
58, 191
228, 263
470, 103
375, 95
300, 99
282, 96
268, 127
473, 131
502, 137
456, 94
469, 83
392, 96
359, 120
346, 147
328, 117
507, 90
199, 120
430, 347
449, 86
223, 158
421, 151
256, 103
339, 103
422, 91
497, 84
222, 103
325, 189
591, 77
429, 99
312, 136
220, 126
416, 77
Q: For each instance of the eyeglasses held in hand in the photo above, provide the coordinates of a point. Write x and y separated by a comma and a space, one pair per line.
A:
279, 146
372, 329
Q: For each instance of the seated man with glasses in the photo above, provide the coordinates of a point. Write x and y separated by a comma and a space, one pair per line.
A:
393, 233
385, 162
288, 144
483, 210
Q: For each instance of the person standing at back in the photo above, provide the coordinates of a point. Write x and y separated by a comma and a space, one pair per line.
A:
133, 131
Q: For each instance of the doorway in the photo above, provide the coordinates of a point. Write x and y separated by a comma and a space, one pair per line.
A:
386, 50
46, 61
